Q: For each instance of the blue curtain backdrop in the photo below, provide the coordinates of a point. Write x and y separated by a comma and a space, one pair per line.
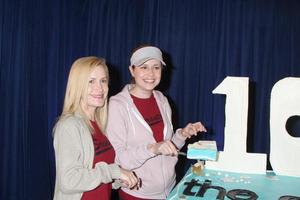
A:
203, 42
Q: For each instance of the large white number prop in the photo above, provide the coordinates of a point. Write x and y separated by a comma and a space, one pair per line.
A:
234, 158
285, 149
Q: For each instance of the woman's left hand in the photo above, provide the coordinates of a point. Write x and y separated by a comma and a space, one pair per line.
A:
192, 129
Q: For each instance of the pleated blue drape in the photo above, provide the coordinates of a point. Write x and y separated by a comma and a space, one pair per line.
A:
203, 42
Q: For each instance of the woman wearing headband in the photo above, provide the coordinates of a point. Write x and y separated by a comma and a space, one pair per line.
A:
140, 128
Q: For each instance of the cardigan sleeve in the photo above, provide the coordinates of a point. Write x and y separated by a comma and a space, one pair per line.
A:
73, 176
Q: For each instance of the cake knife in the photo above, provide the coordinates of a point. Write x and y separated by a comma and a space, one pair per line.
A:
181, 153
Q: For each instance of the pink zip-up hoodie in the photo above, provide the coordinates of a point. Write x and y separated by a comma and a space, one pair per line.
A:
130, 134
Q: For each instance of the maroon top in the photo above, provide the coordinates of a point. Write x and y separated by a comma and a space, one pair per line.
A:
151, 113
104, 152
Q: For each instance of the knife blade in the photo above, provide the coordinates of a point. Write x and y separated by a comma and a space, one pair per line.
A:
181, 153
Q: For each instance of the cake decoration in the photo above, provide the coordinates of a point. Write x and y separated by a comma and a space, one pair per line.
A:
239, 174
202, 150
197, 168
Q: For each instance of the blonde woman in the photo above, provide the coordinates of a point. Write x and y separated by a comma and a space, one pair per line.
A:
84, 156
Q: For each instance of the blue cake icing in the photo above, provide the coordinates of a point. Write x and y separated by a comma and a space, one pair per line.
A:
202, 150
213, 184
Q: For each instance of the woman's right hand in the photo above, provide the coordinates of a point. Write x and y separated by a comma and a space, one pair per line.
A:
128, 178
163, 148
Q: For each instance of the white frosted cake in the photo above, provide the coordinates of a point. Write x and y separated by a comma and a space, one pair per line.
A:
202, 150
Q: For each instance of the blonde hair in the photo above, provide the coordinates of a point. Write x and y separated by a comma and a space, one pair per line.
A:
77, 87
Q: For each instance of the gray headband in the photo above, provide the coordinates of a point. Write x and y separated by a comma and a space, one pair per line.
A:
144, 54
